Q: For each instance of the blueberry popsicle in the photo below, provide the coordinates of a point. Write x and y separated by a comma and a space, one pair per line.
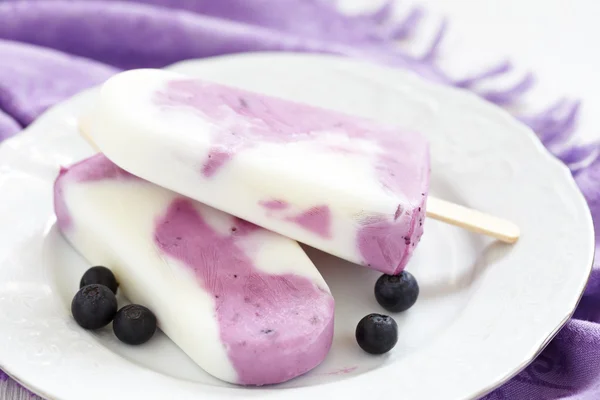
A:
342, 184
244, 303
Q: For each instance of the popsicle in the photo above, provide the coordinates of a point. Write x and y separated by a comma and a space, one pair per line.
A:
342, 184
244, 303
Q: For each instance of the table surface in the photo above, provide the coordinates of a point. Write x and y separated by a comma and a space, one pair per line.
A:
554, 39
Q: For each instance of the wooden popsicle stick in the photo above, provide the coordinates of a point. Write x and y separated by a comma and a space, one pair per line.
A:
82, 131
472, 220
438, 209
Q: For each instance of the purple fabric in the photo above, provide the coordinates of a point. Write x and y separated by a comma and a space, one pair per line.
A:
51, 49
8, 126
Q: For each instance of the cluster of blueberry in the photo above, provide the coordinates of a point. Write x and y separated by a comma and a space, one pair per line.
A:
95, 306
376, 333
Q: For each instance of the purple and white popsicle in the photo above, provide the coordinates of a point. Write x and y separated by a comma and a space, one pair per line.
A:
244, 303
345, 185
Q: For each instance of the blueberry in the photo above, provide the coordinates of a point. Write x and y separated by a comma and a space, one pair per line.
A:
101, 276
377, 334
397, 293
134, 324
94, 306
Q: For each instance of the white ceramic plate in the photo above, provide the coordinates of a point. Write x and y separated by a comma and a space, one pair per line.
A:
485, 310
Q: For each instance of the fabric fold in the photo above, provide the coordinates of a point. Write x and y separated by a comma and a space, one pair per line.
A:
33, 78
